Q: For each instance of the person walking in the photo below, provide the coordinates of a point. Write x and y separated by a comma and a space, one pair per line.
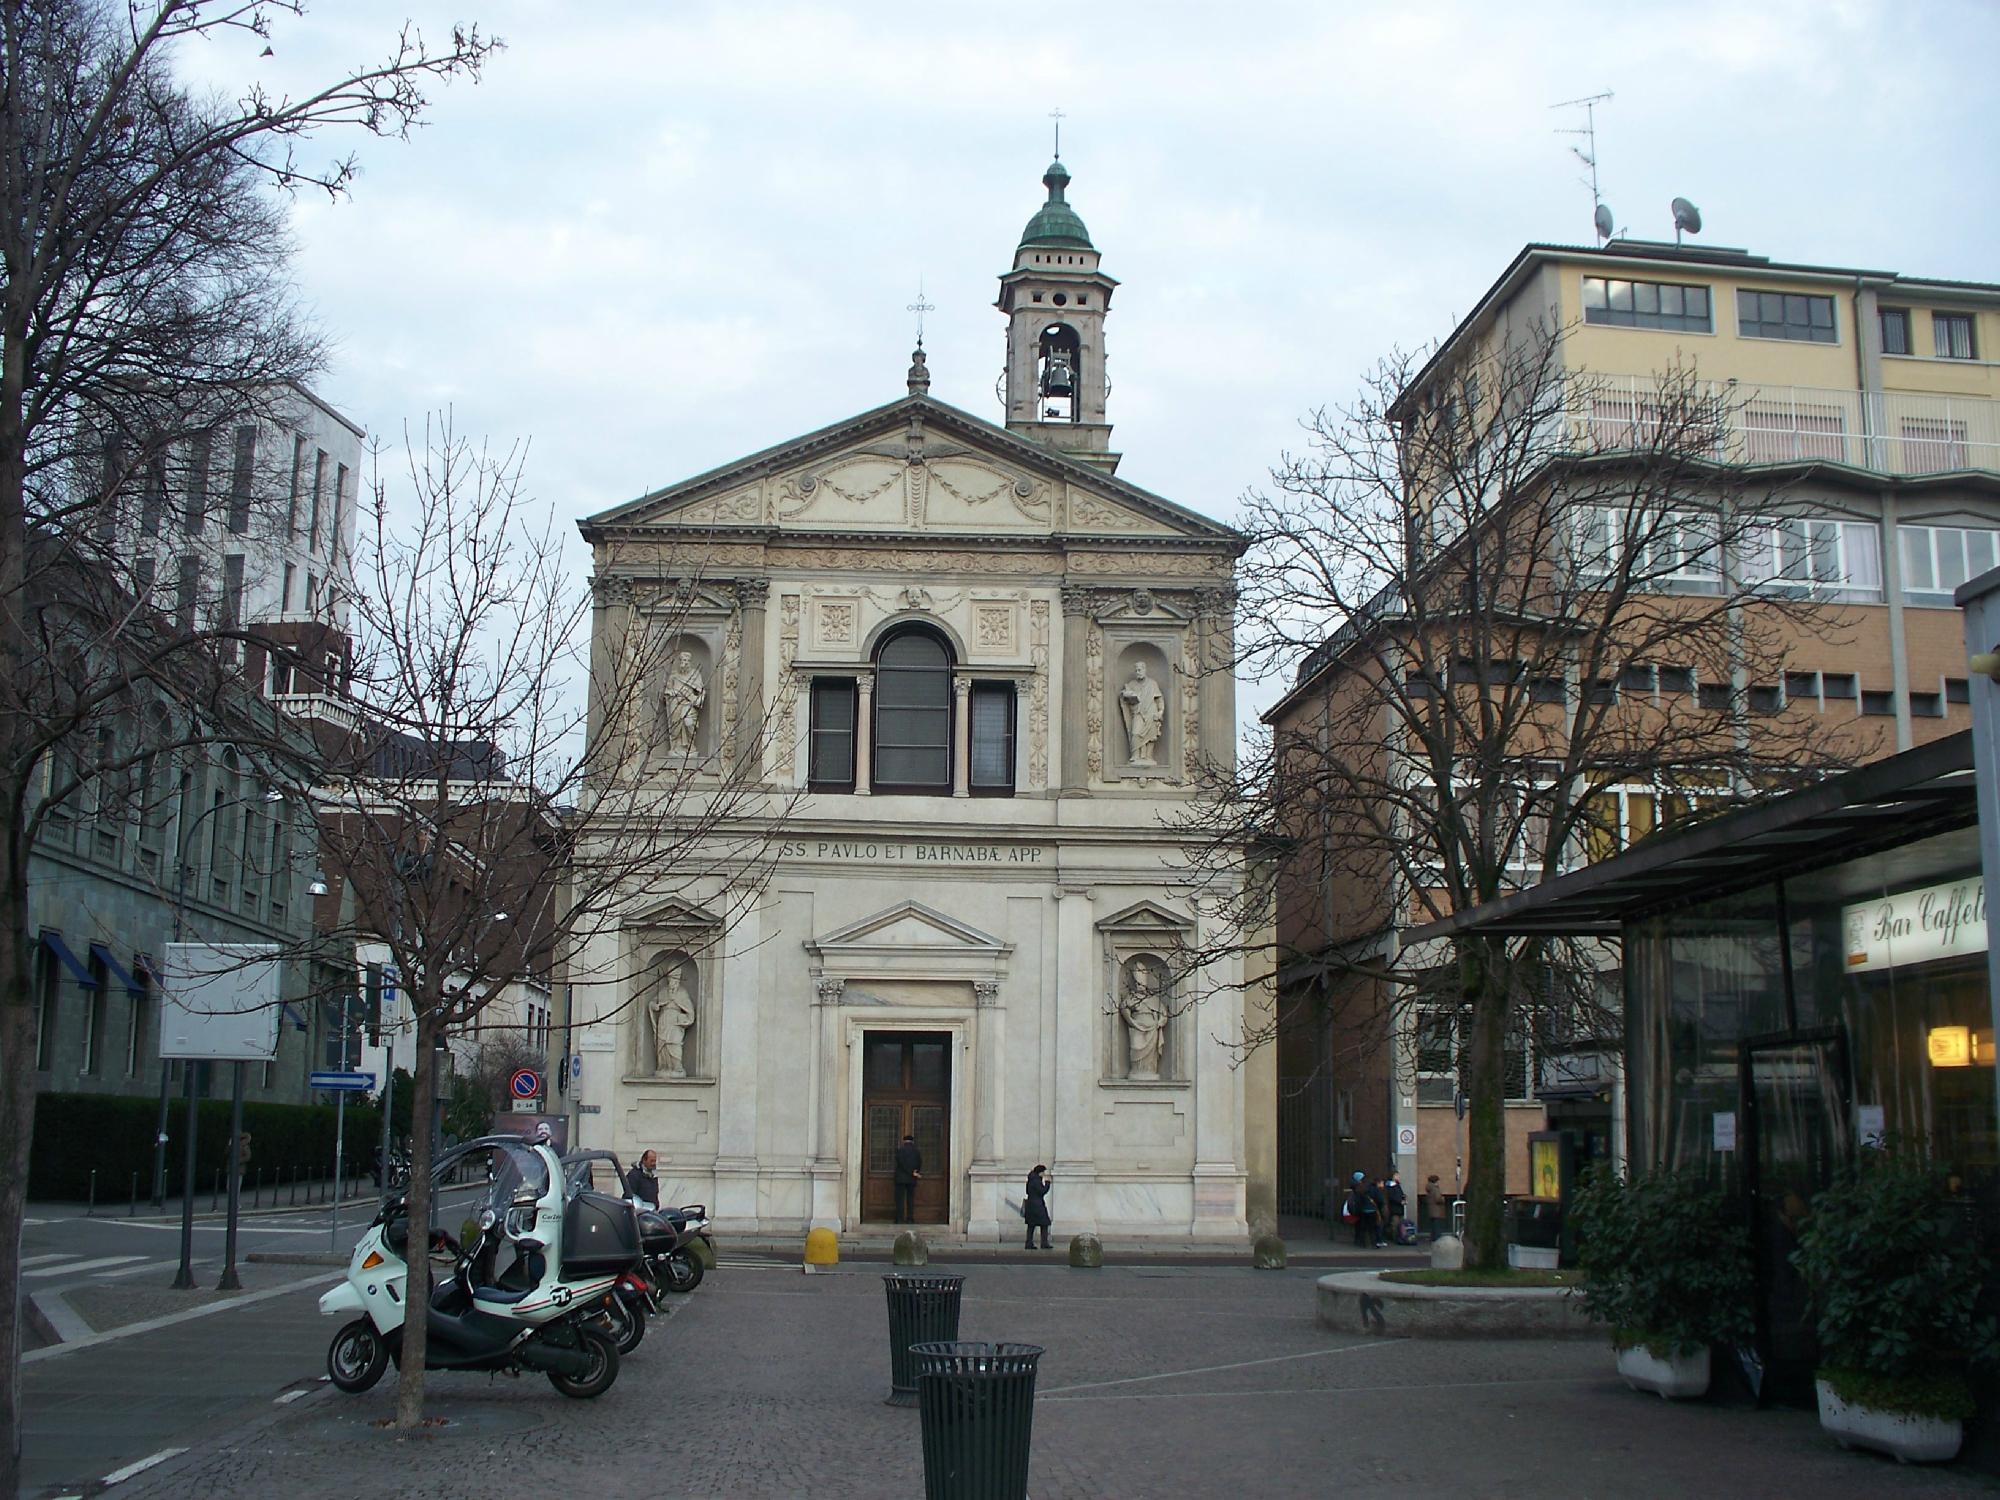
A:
1036, 1209
1392, 1192
909, 1172
1363, 1208
643, 1181
1437, 1213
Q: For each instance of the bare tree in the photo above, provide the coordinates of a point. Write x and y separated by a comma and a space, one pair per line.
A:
481, 738
145, 301
1531, 616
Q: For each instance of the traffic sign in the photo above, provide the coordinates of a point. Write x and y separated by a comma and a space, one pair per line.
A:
525, 1084
342, 1083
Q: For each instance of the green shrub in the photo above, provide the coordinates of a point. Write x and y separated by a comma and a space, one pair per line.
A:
76, 1133
1894, 1274
1662, 1262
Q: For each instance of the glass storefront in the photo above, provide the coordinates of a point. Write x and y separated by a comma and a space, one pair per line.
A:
1773, 1032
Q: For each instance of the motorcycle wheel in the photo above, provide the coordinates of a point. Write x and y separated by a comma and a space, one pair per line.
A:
628, 1324
357, 1357
596, 1380
686, 1270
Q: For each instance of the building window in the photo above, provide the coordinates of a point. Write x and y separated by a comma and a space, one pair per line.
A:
48, 1006
239, 479
1951, 336
913, 713
1810, 554
1785, 315
1895, 330
830, 765
1937, 559
135, 1022
1646, 304
992, 708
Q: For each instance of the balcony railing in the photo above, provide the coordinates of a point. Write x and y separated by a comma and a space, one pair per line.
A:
1890, 432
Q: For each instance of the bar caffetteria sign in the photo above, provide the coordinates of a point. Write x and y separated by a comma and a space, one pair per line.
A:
1916, 927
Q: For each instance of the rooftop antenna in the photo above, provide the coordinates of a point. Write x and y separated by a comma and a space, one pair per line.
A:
1056, 114
1587, 154
920, 307
1686, 217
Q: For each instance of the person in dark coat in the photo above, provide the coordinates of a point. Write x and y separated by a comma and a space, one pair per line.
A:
1364, 1211
1036, 1209
643, 1181
909, 1172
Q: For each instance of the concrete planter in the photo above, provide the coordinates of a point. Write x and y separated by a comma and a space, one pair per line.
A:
1906, 1438
1679, 1377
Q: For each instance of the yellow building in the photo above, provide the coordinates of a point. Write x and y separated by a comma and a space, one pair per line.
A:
1864, 408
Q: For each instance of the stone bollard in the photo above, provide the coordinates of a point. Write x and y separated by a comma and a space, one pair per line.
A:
1447, 1253
1267, 1253
822, 1250
911, 1249
1086, 1252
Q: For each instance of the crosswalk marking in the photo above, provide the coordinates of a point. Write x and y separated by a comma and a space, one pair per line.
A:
84, 1265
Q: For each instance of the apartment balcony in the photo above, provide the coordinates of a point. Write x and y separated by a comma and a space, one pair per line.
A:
1891, 432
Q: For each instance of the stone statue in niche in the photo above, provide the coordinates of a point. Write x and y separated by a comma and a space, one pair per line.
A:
672, 1011
1143, 707
680, 704
1144, 1010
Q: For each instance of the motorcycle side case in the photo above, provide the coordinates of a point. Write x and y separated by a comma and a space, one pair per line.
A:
600, 1235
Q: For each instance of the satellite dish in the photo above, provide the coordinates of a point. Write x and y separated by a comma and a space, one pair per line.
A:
1604, 221
1686, 217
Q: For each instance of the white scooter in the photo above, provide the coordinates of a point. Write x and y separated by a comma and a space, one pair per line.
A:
531, 1315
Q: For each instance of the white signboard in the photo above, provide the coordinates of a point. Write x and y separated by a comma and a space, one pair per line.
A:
219, 1001
1915, 927
1725, 1130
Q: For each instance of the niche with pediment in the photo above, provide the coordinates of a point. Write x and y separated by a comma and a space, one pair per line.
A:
672, 1020
1144, 708
1148, 997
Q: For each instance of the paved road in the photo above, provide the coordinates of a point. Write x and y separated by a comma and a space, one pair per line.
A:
1157, 1381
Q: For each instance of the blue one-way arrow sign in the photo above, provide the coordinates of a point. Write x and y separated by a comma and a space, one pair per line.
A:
342, 1083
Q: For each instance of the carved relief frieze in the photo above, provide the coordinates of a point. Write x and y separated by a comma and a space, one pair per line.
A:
1169, 564
1093, 722
788, 684
1038, 694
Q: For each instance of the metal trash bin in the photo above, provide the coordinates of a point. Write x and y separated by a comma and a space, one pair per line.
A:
977, 1405
920, 1308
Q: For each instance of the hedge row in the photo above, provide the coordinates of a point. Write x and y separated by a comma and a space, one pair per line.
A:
78, 1133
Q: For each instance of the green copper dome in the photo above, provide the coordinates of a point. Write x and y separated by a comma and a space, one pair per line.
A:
1056, 223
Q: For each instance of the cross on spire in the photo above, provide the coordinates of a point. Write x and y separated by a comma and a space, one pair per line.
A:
920, 307
1057, 115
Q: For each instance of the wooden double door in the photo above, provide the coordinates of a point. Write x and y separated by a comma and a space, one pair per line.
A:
906, 1090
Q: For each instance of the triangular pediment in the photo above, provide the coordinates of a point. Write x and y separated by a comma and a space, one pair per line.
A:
914, 466
909, 925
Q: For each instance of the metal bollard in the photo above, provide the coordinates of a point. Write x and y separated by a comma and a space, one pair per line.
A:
91, 1210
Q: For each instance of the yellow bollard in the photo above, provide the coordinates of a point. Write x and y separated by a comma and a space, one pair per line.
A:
822, 1249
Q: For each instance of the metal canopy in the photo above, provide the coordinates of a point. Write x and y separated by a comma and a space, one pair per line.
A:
1926, 791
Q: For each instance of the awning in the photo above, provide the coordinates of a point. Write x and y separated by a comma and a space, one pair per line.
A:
54, 943
116, 970
1891, 802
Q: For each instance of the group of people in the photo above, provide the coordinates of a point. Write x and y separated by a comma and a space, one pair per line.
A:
1375, 1208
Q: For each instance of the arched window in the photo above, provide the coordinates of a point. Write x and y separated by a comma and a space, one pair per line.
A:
913, 713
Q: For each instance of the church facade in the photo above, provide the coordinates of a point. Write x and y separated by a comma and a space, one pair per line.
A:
976, 676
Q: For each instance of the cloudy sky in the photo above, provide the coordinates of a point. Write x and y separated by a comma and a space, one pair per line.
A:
661, 235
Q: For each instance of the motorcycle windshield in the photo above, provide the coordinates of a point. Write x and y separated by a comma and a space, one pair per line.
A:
511, 1171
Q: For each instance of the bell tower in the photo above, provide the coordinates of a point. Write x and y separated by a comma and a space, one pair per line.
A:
1055, 300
